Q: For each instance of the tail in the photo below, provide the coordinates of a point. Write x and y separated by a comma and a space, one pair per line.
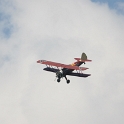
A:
83, 58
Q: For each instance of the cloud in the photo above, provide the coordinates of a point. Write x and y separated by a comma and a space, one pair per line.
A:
6, 26
59, 31
120, 6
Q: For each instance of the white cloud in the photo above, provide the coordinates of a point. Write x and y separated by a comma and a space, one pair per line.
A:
60, 31
121, 6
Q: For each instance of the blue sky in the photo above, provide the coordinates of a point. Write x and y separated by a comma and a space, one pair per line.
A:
5, 20
113, 4
6, 26
60, 31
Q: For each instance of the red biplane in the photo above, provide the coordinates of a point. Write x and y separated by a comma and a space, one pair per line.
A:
66, 69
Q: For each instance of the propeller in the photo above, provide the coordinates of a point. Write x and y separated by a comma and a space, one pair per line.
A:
59, 74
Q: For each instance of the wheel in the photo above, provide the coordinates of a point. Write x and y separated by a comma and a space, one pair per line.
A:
68, 81
58, 80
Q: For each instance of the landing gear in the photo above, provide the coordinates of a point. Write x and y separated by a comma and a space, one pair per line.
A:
60, 75
58, 80
68, 81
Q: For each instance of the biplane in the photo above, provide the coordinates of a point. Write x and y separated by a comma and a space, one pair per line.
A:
62, 70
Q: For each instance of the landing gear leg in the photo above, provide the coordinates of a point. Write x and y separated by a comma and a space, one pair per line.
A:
58, 80
68, 81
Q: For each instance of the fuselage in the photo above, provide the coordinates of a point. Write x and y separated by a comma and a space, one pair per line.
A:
67, 71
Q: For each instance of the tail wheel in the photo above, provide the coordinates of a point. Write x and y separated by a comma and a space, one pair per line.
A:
68, 81
58, 80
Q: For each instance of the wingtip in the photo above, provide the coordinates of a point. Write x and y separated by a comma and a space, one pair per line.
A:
38, 61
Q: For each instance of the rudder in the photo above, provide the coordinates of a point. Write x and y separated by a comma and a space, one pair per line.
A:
83, 56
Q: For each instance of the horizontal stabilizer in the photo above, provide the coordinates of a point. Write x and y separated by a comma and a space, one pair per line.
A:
78, 59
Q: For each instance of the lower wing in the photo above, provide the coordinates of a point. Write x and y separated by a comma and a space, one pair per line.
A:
78, 74
70, 74
51, 69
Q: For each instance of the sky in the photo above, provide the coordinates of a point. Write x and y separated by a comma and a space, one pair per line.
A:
60, 31
118, 5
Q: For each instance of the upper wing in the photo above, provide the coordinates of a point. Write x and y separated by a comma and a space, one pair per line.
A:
61, 65
79, 74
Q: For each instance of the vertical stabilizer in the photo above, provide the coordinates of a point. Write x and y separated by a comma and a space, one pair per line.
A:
83, 56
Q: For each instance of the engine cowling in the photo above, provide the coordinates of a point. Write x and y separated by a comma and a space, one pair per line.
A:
59, 74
